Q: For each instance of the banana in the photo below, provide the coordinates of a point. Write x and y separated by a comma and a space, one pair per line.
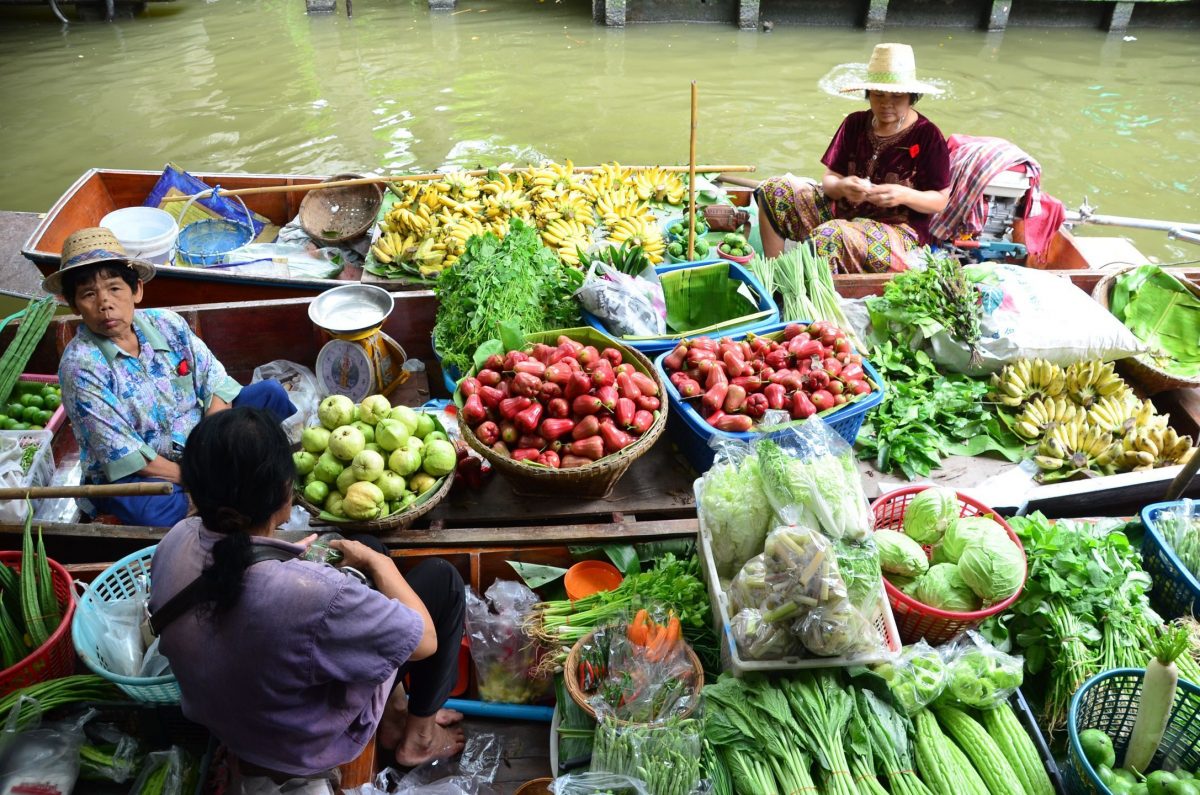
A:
1157, 446
1078, 446
639, 232
658, 185
1026, 380
1089, 381
1043, 414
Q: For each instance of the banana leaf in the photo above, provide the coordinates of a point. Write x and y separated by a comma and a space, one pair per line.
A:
1164, 313
706, 297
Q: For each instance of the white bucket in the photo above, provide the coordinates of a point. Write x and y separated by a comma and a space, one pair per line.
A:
146, 232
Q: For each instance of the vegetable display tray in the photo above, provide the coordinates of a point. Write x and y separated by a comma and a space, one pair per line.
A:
766, 311
1109, 702
693, 436
1176, 591
731, 659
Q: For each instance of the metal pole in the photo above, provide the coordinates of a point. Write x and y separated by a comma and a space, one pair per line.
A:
1132, 223
1186, 237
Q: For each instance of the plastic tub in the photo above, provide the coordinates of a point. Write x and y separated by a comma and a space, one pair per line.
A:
146, 232
652, 348
590, 576
691, 434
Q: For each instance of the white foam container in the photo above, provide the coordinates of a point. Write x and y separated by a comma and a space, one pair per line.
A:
146, 232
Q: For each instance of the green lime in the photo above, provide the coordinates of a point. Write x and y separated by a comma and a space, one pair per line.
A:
37, 427
13, 409
53, 402
49, 391
30, 414
8, 424
44, 417
32, 400
21, 426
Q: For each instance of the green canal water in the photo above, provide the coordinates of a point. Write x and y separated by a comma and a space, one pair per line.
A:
256, 85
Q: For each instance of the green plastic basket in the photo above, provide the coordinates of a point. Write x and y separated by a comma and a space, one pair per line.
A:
1109, 702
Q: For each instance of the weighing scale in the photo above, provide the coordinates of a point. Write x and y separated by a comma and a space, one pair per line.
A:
359, 360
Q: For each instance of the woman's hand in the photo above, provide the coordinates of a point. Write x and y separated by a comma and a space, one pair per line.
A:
856, 189
359, 556
889, 195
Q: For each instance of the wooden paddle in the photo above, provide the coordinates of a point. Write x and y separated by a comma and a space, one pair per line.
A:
107, 490
479, 172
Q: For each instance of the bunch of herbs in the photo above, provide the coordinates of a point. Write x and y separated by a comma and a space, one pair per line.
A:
515, 280
929, 415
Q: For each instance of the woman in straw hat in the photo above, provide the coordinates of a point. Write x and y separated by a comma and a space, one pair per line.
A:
887, 170
135, 382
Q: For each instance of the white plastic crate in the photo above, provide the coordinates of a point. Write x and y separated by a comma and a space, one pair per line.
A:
732, 661
40, 473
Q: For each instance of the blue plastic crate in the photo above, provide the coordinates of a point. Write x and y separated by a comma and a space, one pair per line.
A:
652, 348
692, 435
1109, 702
1176, 590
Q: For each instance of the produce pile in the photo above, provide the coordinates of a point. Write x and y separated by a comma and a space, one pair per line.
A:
971, 564
30, 406
370, 461
1179, 527
29, 609
734, 244
788, 522
1084, 608
1085, 420
559, 406
426, 231
677, 239
1162, 312
804, 282
802, 371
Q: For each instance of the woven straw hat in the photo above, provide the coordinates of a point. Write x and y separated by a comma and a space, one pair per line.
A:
92, 246
893, 68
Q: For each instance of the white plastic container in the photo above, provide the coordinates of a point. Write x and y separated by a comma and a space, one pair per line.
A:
146, 232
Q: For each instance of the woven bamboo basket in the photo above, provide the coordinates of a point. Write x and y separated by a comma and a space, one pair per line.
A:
1149, 378
571, 678
338, 215
594, 480
397, 521
538, 786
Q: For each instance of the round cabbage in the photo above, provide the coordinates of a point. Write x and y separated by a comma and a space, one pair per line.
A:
993, 568
967, 531
930, 514
899, 554
943, 587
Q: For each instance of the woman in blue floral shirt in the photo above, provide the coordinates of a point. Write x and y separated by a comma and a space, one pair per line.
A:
135, 382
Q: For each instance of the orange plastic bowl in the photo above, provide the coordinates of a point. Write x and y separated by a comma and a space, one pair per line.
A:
590, 576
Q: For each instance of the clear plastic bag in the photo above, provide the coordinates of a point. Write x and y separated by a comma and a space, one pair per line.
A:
758, 639
803, 572
596, 783
978, 674
666, 756
504, 657
915, 678
750, 588
108, 754
643, 678
117, 626
303, 390
734, 506
470, 773
170, 772
1180, 526
626, 305
41, 758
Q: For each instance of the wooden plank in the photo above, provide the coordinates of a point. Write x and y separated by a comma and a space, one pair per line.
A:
542, 534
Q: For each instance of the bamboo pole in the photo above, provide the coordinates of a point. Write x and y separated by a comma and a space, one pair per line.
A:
692, 181
479, 172
106, 490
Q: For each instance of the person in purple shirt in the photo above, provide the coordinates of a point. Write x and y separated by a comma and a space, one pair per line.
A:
887, 170
295, 665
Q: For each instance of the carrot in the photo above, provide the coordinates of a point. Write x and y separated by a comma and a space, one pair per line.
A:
637, 630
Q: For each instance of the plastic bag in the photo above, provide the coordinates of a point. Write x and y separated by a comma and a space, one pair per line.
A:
758, 639
117, 626
626, 305
811, 478
281, 259
40, 758
13, 474
978, 674
593, 783
170, 772
665, 755
803, 571
749, 588
468, 774
835, 628
303, 390
1179, 526
108, 754
915, 678
734, 507
504, 657
640, 672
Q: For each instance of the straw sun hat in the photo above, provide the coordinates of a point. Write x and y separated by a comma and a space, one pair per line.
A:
93, 246
892, 68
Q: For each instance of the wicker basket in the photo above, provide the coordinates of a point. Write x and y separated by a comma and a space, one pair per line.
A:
594, 480
397, 521
539, 786
332, 216
571, 677
1149, 378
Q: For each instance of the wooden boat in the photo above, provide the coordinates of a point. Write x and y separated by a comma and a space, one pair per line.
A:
100, 191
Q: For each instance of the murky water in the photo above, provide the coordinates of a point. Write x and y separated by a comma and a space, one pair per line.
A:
256, 85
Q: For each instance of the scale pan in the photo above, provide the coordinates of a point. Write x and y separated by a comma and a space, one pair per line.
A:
352, 308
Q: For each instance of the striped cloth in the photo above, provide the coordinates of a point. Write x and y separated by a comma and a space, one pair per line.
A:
974, 162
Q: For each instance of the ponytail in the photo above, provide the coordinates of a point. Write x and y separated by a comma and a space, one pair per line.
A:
223, 579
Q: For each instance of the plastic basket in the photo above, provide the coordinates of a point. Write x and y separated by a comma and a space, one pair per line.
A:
1109, 702
55, 658
207, 241
1176, 591
118, 581
731, 660
692, 435
41, 471
765, 303
915, 619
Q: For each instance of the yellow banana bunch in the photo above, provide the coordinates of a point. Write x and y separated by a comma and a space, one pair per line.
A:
1151, 447
1043, 414
458, 233
507, 204
428, 258
622, 203
1075, 446
462, 186
566, 234
503, 183
655, 184
392, 247
1025, 380
639, 232
407, 221
551, 177
604, 179
1089, 381
570, 206
1121, 414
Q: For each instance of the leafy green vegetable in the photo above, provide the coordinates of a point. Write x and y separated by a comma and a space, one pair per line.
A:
899, 554
916, 678
736, 512
515, 280
928, 415
930, 513
993, 568
967, 531
822, 491
943, 587
1163, 313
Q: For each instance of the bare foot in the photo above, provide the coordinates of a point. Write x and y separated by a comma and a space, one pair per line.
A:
426, 739
447, 717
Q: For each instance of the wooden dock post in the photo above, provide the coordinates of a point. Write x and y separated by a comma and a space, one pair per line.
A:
998, 19
876, 14
614, 13
1121, 14
320, 6
748, 14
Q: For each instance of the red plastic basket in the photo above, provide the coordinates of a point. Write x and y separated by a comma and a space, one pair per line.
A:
54, 658
915, 619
